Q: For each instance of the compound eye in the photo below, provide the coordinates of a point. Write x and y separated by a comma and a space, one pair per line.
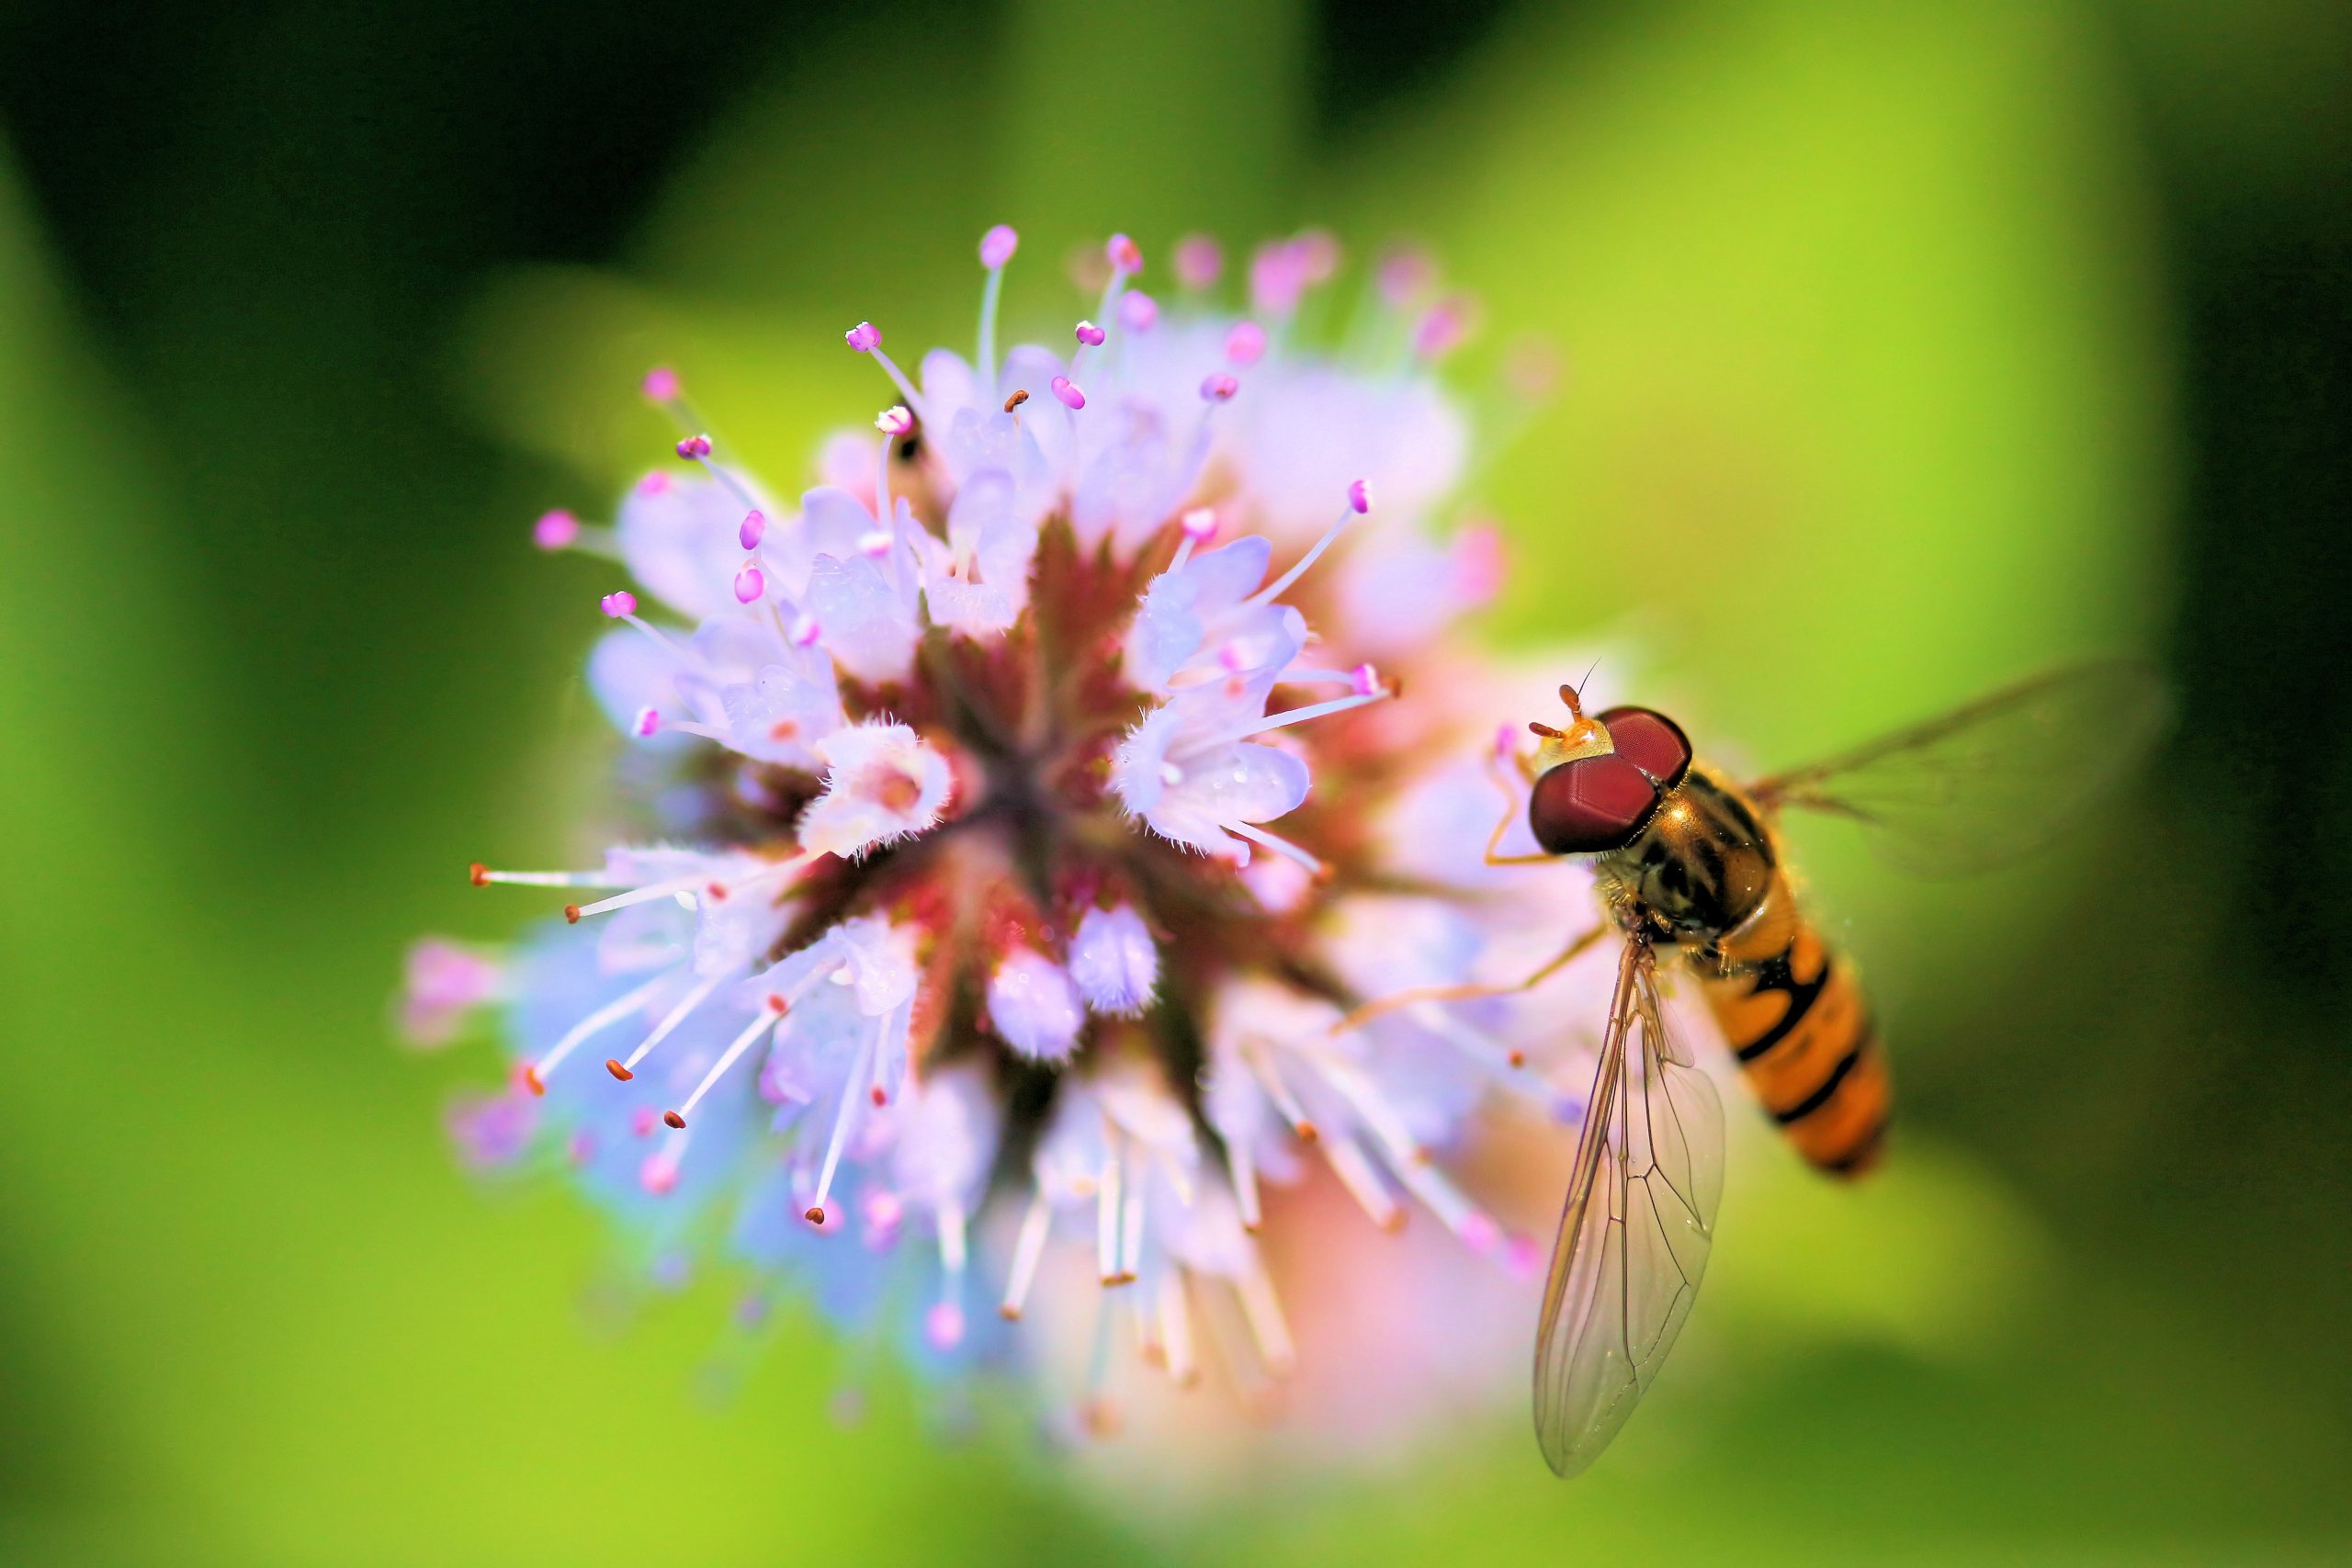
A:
1651, 742
1591, 806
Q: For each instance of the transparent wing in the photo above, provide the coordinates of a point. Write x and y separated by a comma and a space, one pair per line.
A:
1635, 1231
1995, 780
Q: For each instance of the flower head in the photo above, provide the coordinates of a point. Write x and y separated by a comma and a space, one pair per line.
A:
1041, 814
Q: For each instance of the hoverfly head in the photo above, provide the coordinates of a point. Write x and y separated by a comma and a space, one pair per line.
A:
1602, 779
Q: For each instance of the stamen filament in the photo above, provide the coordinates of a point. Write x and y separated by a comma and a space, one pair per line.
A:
645, 895
1274, 590
610, 1013
1096, 1409
1031, 1245
1242, 1167
483, 877
733, 1054
905, 388
952, 1245
727, 479
1281, 846
1176, 1329
1378, 1114
1265, 1312
677, 1016
990, 292
1279, 1092
1131, 1231
1354, 1169
853, 1091
1448, 1202
1106, 1215
1300, 715
686, 884
1471, 1043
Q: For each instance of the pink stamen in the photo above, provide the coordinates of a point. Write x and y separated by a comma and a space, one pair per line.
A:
694, 447
1277, 278
1480, 562
1090, 335
865, 337
1068, 391
895, 421
1405, 274
942, 1325
1138, 313
1245, 344
1443, 330
754, 529
649, 722
654, 483
998, 244
1199, 260
555, 530
1360, 497
618, 604
1363, 680
658, 1175
660, 384
1319, 255
750, 583
1218, 387
1197, 525
1125, 255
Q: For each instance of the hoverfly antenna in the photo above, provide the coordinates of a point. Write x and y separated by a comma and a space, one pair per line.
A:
1583, 738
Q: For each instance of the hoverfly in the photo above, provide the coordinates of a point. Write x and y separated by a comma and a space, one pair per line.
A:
1691, 869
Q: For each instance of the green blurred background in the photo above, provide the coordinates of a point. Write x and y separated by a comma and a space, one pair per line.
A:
1909, 348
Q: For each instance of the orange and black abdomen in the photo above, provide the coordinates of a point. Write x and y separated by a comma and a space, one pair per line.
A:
1689, 860
1794, 1015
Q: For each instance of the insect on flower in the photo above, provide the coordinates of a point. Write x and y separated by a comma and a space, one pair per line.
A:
1017, 812
1691, 869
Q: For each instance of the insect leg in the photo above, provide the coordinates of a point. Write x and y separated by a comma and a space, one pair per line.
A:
1388, 1004
1511, 811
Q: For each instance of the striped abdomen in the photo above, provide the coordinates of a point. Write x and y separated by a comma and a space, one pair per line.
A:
1794, 1017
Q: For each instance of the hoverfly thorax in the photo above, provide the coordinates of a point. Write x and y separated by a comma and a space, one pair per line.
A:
1602, 779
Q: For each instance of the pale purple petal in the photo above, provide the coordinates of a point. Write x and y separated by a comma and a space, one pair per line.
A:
1113, 961
1033, 1007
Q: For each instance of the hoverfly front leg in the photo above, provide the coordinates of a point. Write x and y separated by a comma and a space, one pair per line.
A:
1428, 993
1511, 809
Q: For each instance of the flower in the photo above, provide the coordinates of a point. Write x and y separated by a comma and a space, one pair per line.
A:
1033, 848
